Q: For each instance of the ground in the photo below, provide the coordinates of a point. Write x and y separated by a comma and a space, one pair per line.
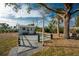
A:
7, 41
56, 46
59, 47
58, 51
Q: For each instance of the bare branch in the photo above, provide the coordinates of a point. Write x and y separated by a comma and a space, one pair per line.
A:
75, 11
56, 11
68, 6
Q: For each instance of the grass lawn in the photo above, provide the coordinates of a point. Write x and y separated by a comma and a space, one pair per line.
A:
59, 48
58, 51
7, 41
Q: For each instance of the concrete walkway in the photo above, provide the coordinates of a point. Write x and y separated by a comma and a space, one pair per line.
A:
24, 51
13, 52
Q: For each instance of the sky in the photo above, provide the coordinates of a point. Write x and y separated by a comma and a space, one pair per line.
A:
8, 15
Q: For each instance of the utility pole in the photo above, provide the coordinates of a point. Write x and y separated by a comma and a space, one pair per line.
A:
43, 17
42, 27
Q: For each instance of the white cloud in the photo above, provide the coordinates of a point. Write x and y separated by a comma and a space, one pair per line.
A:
8, 21
4, 11
33, 13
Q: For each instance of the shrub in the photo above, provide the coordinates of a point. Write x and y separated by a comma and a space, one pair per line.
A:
61, 29
77, 30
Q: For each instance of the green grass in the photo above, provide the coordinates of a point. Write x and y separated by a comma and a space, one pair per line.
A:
58, 51
7, 41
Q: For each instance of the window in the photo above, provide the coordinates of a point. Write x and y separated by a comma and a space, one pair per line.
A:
28, 29
31, 29
23, 28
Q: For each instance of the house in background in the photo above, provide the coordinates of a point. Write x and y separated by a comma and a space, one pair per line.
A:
26, 29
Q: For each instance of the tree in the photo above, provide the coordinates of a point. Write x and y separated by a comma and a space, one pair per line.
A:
52, 26
4, 27
65, 14
16, 6
58, 19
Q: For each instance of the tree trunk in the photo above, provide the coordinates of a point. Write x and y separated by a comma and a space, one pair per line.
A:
66, 27
58, 28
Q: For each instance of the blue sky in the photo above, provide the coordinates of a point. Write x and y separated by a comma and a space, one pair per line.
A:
9, 16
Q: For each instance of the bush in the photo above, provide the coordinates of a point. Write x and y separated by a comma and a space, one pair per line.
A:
54, 30
47, 30
61, 29
7, 30
77, 30
38, 29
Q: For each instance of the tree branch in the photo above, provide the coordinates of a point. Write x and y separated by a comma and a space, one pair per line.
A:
44, 5
68, 6
75, 11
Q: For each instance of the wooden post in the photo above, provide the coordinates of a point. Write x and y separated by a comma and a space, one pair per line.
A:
51, 36
18, 41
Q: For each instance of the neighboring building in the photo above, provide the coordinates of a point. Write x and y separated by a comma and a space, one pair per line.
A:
26, 29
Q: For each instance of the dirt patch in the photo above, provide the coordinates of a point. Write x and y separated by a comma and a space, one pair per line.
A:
68, 43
